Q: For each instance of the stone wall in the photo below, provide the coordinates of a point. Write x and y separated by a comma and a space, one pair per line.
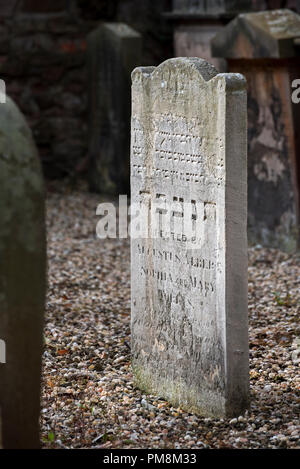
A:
43, 61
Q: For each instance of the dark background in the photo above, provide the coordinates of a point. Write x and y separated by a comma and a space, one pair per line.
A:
43, 61
43, 58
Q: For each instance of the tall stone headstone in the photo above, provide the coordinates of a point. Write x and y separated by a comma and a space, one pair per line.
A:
114, 50
189, 286
262, 46
22, 280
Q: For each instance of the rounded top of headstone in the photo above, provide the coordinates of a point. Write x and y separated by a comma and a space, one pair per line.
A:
17, 147
181, 64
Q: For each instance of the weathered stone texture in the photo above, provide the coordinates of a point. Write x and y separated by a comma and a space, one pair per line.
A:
262, 47
273, 185
266, 34
114, 50
22, 279
198, 21
189, 301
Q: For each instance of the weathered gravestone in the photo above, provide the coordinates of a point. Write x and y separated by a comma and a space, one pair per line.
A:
262, 46
22, 279
114, 50
189, 288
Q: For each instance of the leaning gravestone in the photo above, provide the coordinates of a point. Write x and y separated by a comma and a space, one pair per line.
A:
114, 50
189, 268
22, 279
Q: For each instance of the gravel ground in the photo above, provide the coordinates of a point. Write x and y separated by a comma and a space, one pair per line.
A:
89, 398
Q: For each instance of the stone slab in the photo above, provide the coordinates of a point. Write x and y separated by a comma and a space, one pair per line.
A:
189, 294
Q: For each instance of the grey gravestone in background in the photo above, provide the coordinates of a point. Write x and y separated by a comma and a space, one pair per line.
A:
261, 46
22, 279
189, 299
211, 7
114, 50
